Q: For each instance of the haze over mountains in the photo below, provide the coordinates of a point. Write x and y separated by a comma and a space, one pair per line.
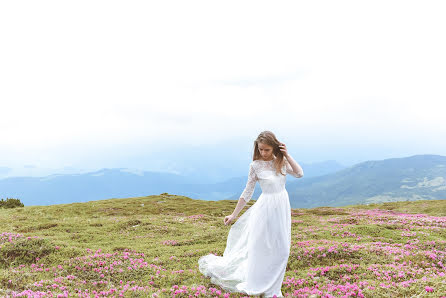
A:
417, 177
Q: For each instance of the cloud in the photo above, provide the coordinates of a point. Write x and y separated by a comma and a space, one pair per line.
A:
100, 75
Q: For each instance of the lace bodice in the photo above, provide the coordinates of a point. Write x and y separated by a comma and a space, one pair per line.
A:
269, 180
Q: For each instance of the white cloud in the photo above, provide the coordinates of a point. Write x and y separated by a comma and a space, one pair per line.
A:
79, 74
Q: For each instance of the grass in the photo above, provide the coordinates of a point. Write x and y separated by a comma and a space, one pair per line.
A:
149, 246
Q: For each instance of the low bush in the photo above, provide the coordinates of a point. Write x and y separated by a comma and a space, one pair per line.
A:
10, 203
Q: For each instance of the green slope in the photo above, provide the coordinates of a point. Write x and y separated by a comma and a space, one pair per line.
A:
153, 244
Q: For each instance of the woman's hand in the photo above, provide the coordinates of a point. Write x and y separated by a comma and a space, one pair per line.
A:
282, 148
228, 219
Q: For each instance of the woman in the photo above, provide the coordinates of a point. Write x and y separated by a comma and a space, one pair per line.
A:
259, 242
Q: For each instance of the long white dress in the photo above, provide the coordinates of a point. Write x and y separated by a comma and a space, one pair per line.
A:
259, 242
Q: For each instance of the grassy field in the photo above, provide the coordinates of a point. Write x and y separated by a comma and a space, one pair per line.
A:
149, 247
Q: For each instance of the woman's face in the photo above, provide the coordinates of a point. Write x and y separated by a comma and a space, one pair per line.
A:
266, 151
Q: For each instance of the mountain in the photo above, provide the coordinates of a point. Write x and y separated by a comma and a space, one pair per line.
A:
102, 184
122, 182
418, 177
321, 168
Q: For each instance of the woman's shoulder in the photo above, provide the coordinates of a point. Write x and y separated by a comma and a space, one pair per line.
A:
254, 164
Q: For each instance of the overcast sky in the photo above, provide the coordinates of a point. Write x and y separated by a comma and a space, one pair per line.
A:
98, 83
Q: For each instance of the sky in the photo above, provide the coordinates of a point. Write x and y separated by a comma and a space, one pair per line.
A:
149, 84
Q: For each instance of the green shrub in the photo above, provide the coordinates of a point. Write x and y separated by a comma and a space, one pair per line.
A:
10, 203
24, 251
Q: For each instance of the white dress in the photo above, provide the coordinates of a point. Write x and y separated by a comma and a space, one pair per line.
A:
259, 242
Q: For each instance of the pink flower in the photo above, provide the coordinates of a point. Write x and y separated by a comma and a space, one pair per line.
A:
429, 289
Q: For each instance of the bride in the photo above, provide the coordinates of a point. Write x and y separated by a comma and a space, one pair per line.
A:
259, 242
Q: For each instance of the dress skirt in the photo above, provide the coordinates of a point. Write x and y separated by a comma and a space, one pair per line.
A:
257, 249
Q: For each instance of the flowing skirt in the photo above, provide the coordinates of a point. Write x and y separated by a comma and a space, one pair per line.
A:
257, 249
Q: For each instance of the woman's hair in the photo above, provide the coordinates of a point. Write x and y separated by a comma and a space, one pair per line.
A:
268, 138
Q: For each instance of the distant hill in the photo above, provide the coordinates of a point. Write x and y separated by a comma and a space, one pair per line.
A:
418, 177
121, 182
102, 184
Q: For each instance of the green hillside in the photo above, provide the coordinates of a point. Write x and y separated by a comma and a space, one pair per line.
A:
149, 247
413, 178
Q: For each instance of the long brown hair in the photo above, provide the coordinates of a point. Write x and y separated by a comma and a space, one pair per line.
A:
268, 138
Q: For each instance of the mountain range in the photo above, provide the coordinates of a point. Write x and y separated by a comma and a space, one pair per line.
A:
418, 177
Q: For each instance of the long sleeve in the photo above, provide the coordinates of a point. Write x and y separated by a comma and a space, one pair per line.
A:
250, 185
290, 171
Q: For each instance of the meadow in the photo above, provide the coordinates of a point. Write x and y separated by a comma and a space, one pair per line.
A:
149, 247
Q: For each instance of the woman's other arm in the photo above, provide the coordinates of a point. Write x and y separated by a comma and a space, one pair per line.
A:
297, 169
248, 191
240, 205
